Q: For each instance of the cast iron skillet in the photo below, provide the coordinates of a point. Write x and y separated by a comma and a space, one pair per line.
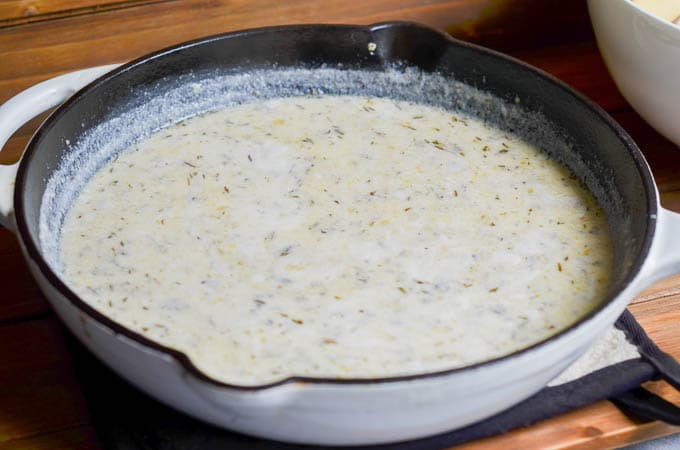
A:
356, 411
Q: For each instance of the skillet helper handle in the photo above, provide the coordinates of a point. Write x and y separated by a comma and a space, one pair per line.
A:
664, 256
23, 107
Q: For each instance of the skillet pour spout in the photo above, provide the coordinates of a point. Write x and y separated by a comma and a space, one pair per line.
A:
162, 88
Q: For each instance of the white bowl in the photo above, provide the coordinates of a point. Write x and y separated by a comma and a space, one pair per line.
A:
642, 52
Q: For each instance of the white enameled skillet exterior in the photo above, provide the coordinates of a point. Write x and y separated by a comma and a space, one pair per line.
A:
325, 412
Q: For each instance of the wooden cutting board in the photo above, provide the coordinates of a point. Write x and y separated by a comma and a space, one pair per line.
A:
41, 405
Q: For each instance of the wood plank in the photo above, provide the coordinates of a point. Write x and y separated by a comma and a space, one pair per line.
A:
42, 339
495, 23
62, 45
18, 12
661, 319
21, 297
671, 200
597, 426
11, 9
589, 76
78, 438
669, 287
512, 25
37, 384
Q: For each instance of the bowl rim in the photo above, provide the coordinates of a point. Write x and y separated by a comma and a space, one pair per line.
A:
653, 17
33, 251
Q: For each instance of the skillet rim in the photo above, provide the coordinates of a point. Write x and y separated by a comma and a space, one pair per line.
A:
32, 248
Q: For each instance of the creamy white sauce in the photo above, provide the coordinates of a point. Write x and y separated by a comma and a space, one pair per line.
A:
336, 237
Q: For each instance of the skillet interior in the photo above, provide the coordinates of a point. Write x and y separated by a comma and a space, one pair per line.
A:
423, 65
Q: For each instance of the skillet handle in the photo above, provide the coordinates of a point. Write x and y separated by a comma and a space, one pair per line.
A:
664, 258
24, 106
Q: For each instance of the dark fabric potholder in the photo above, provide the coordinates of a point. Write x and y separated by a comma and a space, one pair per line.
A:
127, 419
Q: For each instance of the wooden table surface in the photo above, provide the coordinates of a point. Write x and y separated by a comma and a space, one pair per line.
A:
41, 404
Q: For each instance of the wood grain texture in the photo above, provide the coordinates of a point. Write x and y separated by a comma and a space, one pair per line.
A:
522, 24
667, 288
589, 76
598, 426
38, 390
21, 297
78, 438
119, 35
41, 405
661, 319
671, 200
19, 12
13, 9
